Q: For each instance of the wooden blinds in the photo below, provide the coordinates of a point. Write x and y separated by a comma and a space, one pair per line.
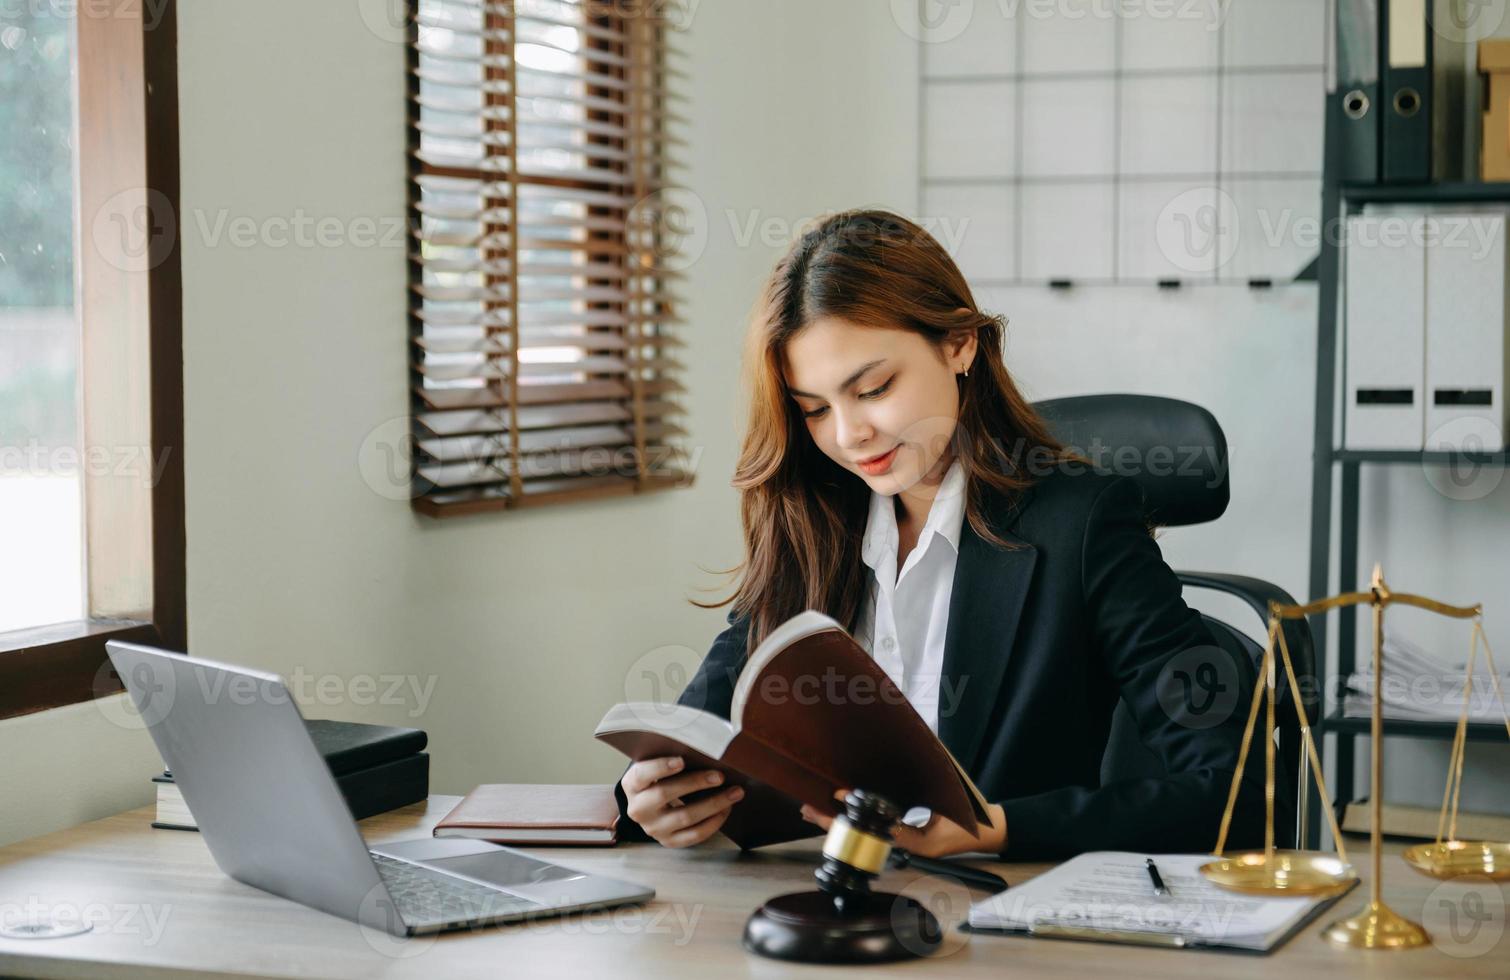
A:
543, 354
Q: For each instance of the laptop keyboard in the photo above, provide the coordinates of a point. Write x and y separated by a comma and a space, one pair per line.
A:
425, 897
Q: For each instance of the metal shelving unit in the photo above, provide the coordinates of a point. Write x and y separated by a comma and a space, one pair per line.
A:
1447, 192
1476, 732
1338, 201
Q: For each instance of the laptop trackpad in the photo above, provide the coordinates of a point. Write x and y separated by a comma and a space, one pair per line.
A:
508, 869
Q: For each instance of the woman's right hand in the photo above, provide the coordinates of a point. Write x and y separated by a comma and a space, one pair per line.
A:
653, 792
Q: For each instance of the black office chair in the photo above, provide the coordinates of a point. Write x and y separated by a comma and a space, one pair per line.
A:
1178, 455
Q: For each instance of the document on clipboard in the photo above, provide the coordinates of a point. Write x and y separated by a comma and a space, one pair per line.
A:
1108, 896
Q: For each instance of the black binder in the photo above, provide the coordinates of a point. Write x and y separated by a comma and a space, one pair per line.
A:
1405, 62
1356, 102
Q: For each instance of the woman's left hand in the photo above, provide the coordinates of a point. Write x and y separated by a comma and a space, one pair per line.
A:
941, 837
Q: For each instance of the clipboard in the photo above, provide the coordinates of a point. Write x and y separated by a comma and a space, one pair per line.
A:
1163, 940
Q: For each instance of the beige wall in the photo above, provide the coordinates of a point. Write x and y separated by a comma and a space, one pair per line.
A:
526, 624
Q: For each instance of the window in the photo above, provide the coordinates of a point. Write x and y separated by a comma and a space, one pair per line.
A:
543, 234
91, 402
39, 342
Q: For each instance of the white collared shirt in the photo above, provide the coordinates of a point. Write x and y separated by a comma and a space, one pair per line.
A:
907, 615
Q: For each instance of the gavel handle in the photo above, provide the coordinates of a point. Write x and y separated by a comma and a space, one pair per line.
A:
943, 867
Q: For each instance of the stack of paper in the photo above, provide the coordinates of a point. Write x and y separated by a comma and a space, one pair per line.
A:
1419, 686
1110, 895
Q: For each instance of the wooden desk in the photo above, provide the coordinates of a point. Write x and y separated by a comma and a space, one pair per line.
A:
162, 907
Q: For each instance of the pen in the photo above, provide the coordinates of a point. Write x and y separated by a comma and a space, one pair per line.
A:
1159, 888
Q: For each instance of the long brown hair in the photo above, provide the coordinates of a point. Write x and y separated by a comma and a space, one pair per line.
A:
803, 514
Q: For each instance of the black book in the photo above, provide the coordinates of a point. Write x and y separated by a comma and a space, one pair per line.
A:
387, 785
348, 745
377, 767
1405, 65
1357, 98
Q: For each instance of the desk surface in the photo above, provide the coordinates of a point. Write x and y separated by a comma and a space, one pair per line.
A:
161, 906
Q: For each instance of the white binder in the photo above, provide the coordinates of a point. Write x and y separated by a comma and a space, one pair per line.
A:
1385, 335
1465, 334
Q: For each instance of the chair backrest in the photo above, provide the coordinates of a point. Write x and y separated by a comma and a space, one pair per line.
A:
1175, 450
1177, 454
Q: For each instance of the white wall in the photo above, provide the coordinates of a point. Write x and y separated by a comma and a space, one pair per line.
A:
528, 623
1246, 355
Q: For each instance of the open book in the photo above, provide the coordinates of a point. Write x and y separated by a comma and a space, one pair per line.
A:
812, 713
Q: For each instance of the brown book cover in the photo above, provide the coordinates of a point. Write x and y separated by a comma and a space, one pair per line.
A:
521, 813
812, 713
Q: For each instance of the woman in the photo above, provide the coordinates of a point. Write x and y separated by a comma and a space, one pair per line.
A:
893, 476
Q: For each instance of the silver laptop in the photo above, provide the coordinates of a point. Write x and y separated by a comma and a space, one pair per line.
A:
274, 818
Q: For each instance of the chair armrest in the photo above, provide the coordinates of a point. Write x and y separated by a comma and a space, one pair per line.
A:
1258, 593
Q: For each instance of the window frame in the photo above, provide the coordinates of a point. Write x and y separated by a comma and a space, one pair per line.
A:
127, 133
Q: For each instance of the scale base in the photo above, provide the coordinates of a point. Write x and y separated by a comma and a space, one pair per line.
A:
803, 926
1377, 927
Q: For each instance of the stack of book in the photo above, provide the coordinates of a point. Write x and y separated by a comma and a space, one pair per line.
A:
378, 767
1419, 686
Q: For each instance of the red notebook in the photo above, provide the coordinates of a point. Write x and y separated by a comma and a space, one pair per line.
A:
522, 813
812, 713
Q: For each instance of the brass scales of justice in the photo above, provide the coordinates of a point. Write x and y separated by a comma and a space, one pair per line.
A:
1298, 872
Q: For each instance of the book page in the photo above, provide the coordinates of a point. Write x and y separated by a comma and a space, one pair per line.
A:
803, 624
697, 730
1112, 890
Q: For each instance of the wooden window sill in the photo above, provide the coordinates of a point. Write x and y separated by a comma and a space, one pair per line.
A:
62, 663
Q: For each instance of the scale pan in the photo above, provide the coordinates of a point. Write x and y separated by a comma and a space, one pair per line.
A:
1455, 858
1282, 873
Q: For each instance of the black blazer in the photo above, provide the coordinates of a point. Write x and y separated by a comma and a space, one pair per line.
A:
1041, 643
